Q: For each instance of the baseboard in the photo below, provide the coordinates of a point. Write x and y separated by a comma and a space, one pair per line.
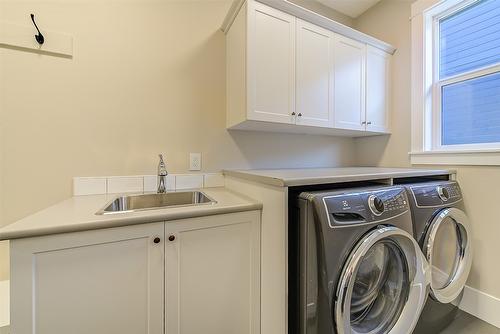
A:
481, 305
4, 303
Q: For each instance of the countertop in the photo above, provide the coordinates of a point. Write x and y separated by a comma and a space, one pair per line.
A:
311, 176
78, 214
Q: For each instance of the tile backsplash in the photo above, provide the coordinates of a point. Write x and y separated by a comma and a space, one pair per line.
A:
123, 184
143, 183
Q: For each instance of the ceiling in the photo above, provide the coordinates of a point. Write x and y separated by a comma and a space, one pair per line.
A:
352, 8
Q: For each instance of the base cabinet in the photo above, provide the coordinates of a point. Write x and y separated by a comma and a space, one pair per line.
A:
134, 279
103, 281
212, 276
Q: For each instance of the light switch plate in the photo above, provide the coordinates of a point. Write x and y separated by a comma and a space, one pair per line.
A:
194, 161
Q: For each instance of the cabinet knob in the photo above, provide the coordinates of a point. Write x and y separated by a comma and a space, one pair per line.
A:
171, 237
300, 114
156, 240
293, 113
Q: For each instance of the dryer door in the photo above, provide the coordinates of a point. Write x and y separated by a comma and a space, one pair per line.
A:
383, 285
448, 250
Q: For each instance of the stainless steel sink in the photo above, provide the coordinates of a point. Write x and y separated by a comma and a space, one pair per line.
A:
155, 201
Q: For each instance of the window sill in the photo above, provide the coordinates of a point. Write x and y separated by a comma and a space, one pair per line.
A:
471, 157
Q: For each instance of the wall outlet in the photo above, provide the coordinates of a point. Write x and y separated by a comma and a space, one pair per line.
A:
194, 161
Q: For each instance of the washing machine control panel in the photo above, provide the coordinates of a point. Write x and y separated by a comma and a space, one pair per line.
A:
396, 203
436, 194
367, 206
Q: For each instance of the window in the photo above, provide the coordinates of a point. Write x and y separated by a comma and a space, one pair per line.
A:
455, 82
466, 76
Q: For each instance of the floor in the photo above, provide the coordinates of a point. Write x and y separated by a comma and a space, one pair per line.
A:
466, 323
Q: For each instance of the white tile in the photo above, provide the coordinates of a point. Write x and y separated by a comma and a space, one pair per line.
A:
125, 184
89, 186
188, 181
171, 182
213, 180
151, 183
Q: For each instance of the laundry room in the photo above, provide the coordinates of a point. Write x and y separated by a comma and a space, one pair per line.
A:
249, 166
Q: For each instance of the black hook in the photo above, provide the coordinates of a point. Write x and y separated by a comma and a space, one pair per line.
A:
39, 38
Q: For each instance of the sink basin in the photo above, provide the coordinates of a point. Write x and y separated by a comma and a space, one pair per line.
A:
155, 201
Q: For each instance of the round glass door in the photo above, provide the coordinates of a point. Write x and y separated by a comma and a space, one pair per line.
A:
380, 288
448, 250
378, 284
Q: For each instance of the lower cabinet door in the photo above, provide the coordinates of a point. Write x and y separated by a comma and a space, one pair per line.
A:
108, 281
212, 275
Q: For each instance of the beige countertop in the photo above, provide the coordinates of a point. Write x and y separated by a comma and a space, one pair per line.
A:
311, 176
78, 214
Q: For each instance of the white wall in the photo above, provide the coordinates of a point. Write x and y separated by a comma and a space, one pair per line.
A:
147, 77
389, 20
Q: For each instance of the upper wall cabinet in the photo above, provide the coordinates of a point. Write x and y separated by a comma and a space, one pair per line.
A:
378, 72
314, 77
271, 65
350, 57
290, 70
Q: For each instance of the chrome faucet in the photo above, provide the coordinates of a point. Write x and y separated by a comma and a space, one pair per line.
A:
162, 175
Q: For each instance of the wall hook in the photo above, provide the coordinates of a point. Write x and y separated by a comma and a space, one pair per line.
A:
39, 37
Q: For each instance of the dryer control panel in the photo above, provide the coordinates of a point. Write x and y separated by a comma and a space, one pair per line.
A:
436, 194
365, 206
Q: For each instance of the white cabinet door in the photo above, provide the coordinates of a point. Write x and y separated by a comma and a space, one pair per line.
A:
349, 83
212, 274
378, 69
314, 86
106, 281
271, 64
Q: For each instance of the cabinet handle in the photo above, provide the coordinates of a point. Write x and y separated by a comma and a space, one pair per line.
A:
293, 113
363, 123
156, 240
368, 123
171, 237
300, 114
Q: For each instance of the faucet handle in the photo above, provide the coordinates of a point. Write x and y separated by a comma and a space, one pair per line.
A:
162, 163
162, 169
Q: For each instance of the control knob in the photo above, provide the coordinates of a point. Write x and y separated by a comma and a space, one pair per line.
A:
376, 205
443, 193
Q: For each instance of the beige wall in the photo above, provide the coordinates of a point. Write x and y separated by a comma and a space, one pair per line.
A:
389, 20
147, 76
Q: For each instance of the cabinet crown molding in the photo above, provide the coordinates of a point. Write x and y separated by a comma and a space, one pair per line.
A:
312, 17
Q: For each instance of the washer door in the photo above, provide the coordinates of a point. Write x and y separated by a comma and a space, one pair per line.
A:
383, 286
448, 250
